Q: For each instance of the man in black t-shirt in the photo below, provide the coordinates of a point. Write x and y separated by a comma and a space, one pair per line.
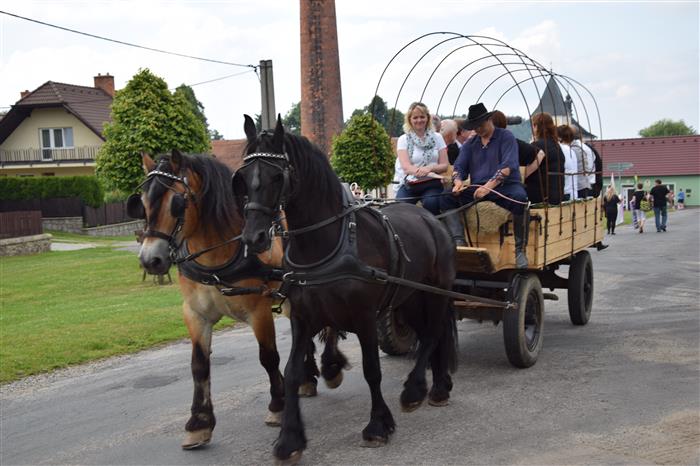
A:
660, 192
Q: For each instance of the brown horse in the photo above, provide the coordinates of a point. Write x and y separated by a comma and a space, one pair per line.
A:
192, 220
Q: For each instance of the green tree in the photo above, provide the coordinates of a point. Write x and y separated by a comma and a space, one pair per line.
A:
146, 117
195, 105
667, 127
362, 153
214, 135
292, 120
390, 118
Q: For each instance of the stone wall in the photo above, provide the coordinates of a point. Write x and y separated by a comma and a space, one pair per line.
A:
117, 229
67, 224
25, 245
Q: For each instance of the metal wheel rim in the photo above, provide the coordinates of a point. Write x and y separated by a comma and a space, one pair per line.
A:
588, 288
532, 320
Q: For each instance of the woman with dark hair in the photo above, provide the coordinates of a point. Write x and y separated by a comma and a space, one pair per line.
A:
547, 183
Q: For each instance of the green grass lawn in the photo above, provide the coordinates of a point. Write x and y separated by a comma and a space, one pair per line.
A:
69, 307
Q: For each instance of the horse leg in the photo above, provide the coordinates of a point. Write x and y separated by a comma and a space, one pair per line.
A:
381, 422
416, 388
332, 360
292, 440
308, 387
264, 329
440, 362
202, 421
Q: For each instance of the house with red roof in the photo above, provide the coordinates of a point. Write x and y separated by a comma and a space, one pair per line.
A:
56, 129
675, 160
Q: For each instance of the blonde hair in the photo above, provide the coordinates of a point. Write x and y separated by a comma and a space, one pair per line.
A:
610, 192
407, 128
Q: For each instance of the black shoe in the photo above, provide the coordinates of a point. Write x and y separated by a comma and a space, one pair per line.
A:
663, 229
600, 246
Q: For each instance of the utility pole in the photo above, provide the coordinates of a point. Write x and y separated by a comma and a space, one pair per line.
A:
267, 89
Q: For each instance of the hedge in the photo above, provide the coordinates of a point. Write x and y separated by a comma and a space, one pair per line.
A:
87, 188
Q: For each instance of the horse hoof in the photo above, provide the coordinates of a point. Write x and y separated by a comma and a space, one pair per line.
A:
196, 439
410, 407
335, 381
307, 389
439, 403
273, 419
374, 442
293, 459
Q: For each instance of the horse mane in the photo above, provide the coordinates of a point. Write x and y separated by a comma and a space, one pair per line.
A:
216, 202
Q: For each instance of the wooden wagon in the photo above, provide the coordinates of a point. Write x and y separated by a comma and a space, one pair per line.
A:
558, 235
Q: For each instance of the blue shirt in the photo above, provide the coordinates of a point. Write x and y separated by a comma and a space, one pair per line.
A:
482, 162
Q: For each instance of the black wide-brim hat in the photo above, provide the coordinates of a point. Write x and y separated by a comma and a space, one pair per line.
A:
477, 115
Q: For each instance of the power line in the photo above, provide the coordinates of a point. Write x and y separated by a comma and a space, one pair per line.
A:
219, 79
126, 43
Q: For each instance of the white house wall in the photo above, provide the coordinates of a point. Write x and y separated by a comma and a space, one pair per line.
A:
26, 136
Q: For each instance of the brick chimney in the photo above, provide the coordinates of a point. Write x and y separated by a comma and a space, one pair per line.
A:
24, 94
106, 83
321, 97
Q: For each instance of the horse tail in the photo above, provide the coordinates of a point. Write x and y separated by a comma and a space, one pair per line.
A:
451, 338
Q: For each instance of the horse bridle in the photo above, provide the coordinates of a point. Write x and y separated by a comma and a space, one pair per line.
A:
266, 157
136, 209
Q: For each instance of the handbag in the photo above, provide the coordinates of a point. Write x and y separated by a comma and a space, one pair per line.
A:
422, 179
645, 205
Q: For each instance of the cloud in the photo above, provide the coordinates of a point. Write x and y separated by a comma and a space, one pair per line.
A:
624, 91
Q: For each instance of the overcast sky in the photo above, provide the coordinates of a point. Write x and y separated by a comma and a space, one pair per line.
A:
638, 59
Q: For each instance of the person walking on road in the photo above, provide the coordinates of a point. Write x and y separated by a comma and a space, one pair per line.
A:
610, 204
638, 214
680, 204
659, 194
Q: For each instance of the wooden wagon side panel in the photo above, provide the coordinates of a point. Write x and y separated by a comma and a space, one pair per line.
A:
564, 229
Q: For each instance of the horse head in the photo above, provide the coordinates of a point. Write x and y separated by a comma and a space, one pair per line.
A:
166, 203
263, 182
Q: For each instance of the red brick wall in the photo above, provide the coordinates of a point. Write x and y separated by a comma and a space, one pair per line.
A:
321, 97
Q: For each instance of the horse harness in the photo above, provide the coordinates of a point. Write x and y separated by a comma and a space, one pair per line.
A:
240, 267
344, 261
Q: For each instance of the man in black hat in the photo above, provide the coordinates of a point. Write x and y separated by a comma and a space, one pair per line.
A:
490, 158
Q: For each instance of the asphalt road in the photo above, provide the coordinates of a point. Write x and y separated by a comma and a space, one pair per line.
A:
625, 389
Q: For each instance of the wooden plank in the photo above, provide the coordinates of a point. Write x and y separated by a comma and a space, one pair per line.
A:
565, 229
475, 260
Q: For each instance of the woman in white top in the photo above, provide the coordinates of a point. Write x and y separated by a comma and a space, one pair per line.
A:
566, 135
421, 158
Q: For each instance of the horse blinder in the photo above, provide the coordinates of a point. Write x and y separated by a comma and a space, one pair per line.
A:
178, 204
135, 207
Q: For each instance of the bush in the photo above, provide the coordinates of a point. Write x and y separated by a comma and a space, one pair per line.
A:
362, 153
87, 188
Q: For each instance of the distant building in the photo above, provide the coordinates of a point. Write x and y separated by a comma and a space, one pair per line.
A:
562, 109
229, 151
675, 160
56, 129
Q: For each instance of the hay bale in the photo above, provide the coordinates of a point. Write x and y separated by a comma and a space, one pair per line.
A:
491, 216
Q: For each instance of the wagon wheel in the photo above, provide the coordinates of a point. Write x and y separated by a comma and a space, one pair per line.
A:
522, 326
395, 336
580, 292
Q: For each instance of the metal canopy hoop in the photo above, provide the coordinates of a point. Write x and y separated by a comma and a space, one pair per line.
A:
444, 54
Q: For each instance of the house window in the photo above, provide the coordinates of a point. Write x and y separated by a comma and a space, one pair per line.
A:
53, 139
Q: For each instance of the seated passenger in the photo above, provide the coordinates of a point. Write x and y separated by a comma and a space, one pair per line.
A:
529, 156
547, 183
585, 164
490, 158
566, 135
448, 130
421, 153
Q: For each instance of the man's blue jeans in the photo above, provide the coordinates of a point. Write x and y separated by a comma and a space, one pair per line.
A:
663, 214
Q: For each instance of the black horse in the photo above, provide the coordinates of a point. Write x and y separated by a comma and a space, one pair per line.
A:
338, 258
